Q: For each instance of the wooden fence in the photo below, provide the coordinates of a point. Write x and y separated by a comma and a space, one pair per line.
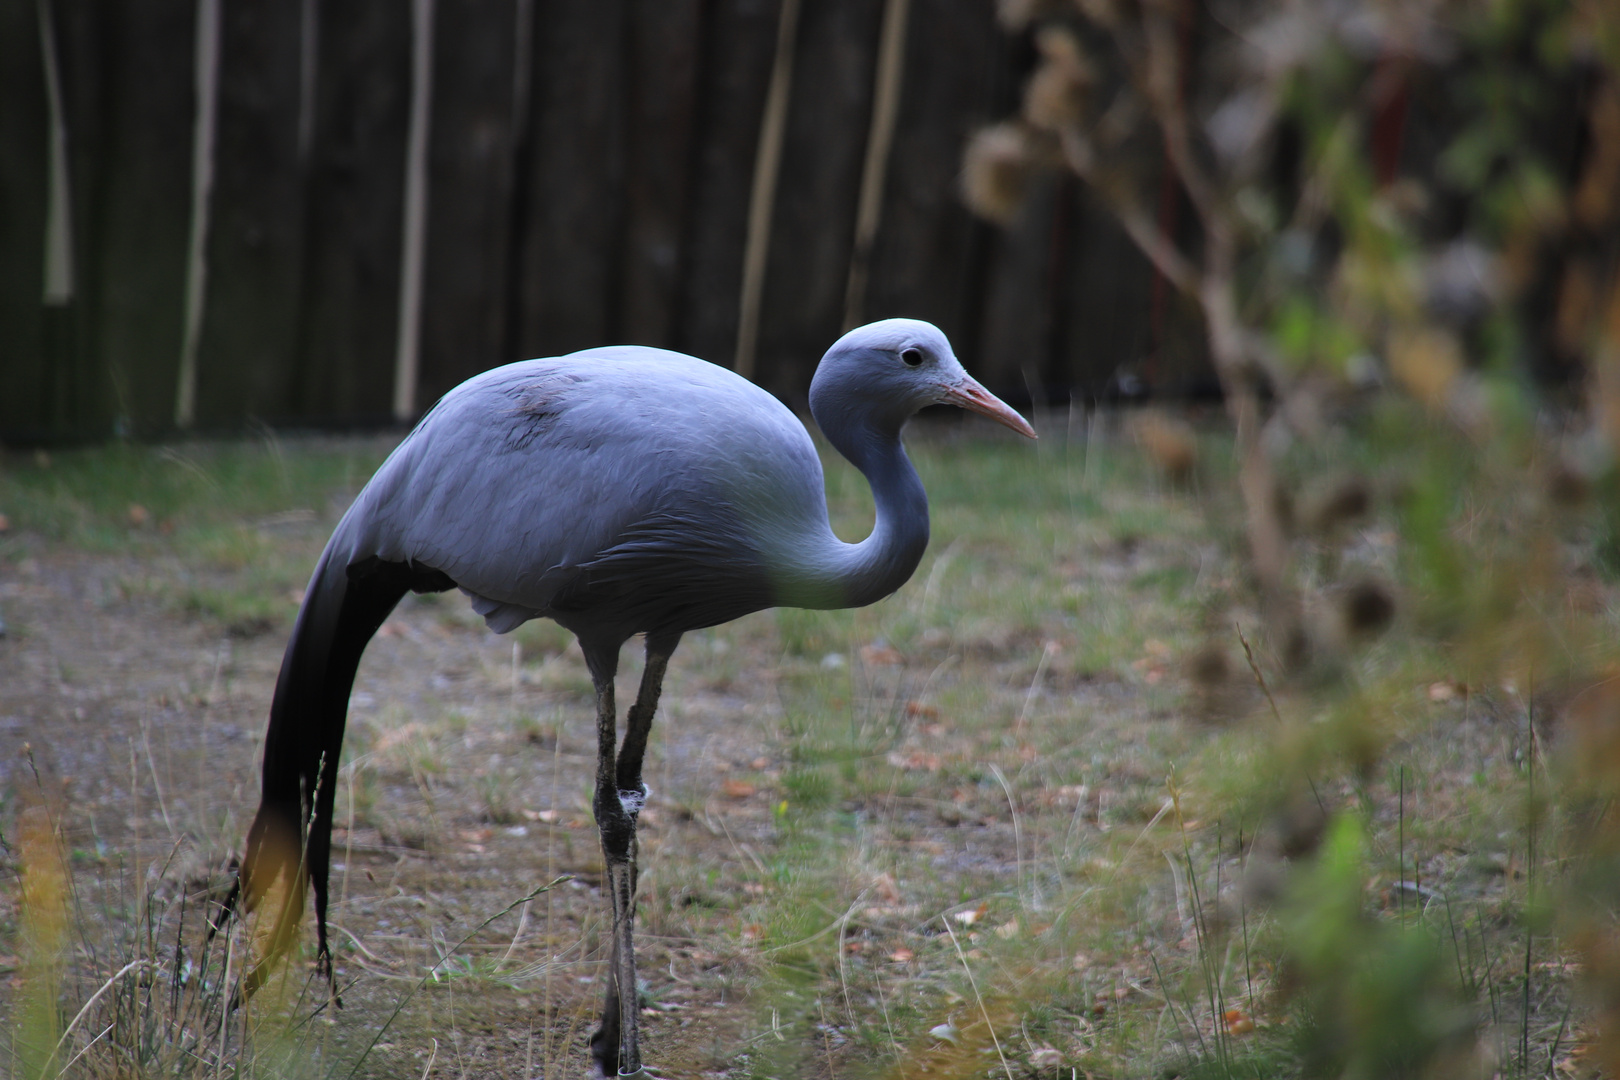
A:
215, 213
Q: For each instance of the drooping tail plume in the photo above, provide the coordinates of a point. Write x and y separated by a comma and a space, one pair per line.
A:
289, 844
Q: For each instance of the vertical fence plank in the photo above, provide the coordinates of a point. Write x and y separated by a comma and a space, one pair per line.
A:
664, 54
1103, 305
741, 38
24, 135
469, 194
1016, 336
814, 226
77, 392
570, 208
355, 200
922, 264
247, 358
141, 213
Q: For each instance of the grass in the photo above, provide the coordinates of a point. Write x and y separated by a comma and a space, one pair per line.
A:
1034, 815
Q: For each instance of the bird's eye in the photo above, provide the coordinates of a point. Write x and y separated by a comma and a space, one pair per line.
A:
911, 357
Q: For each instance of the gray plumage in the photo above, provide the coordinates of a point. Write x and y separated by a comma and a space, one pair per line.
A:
618, 491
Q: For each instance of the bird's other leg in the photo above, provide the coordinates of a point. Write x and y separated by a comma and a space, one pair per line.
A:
615, 1045
638, 723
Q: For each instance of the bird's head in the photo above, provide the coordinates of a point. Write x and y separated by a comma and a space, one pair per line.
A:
886, 371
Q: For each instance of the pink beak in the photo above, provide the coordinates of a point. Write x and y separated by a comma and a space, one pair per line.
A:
975, 398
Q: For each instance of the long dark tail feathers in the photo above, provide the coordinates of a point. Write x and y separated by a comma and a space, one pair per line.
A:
272, 882
289, 844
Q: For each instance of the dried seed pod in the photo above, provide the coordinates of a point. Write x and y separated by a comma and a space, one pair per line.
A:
996, 171
1055, 99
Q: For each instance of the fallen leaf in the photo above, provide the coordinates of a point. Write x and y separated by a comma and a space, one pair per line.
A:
753, 932
139, 515
1444, 690
902, 955
913, 708
916, 760
887, 889
1238, 1022
945, 1032
1045, 1057
972, 915
5, 523
1007, 930
737, 789
547, 816
880, 655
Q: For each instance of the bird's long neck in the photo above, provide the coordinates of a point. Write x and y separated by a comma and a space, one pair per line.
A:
872, 569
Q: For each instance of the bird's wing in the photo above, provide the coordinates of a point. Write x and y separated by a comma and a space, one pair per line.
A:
528, 471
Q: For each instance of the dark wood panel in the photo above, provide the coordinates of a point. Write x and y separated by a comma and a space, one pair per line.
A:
1103, 329
923, 263
136, 270
572, 195
1016, 336
741, 43
469, 194
665, 51
247, 357
78, 392
24, 135
813, 228
589, 175
355, 200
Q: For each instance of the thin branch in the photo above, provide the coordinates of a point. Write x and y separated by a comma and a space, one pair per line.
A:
1160, 250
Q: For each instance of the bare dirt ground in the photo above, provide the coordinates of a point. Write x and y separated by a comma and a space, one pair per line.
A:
149, 724
468, 784
986, 823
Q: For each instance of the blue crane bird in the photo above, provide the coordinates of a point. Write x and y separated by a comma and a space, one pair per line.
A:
617, 491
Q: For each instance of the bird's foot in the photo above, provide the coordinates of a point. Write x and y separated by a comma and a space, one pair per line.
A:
633, 801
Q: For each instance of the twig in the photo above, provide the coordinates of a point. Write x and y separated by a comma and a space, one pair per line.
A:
156, 784
1258, 677
119, 974
1018, 832
843, 976
85, 1049
1034, 685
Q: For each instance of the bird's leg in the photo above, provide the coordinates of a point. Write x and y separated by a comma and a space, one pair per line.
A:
638, 724
620, 795
615, 1044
